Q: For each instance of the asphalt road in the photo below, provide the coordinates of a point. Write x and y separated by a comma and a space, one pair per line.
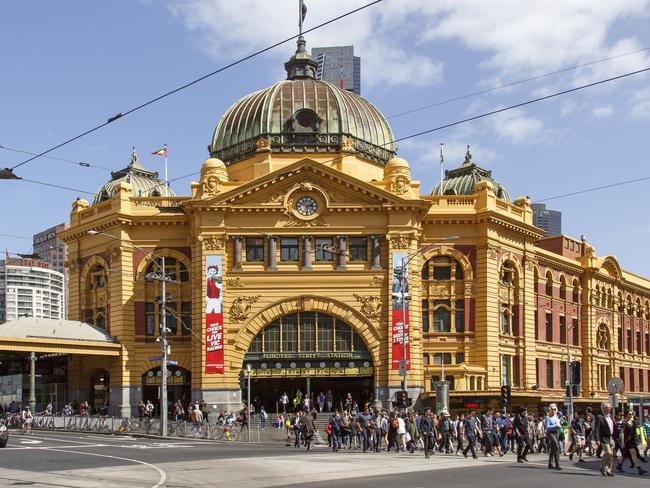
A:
56, 460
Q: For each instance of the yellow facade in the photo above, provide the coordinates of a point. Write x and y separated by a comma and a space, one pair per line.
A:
491, 287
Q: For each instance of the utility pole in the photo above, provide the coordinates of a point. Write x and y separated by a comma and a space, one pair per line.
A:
32, 382
163, 355
403, 281
248, 403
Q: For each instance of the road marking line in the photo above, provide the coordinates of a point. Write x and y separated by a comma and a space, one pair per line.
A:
54, 447
31, 442
159, 484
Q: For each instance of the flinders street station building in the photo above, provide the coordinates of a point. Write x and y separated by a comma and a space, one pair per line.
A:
308, 252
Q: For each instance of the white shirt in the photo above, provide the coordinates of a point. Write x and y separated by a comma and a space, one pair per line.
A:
401, 427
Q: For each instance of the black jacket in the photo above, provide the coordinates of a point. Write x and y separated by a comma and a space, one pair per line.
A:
426, 425
601, 428
520, 425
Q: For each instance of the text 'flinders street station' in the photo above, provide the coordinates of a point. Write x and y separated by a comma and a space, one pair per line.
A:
304, 249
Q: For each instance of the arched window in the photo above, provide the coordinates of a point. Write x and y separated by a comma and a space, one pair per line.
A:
506, 320
646, 313
576, 291
562, 288
178, 318
508, 297
620, 302
443, 314
628, 306
610, 299
639, 308
96, 297
549, 284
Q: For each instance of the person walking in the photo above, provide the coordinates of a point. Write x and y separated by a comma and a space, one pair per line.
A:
520, 433
329, 399
646, 432
297, 426
604, 432
334, 424
320, 399
629, 442
487, 425
263, 417
471, 429
552, 426
426, 432
284, 402
578, 430
309, 427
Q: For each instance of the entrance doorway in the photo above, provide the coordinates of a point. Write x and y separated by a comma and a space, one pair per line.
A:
99, 398
308, 353
179, 386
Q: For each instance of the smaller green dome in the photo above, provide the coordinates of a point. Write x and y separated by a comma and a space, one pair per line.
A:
145, 183
463, 180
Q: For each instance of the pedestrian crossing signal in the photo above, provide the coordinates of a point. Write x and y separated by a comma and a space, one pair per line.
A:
505, 395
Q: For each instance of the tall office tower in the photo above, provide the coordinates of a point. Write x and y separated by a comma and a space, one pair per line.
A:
340, 66
29, 288
549, 220
50, 248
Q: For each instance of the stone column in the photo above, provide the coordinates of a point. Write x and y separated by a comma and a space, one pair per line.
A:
237, 251
306, 253
341, 246
273, 244
376, 254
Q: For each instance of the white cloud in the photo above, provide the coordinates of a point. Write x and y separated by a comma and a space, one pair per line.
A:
603, 111
516, 126
227, 30
641, 107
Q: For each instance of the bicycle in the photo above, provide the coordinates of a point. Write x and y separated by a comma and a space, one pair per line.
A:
101, 425
230, 432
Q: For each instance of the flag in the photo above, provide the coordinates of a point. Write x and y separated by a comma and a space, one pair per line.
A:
303, 12
160, 152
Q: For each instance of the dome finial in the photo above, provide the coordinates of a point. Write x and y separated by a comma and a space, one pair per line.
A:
468, 157
134, 158
301, 66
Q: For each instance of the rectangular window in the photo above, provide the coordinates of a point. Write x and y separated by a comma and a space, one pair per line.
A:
628, 336
425, 359
325, 334
647, 344
442, 320
425, 316
506, 369
575, 331
505, 321
272, 337
289, 249
620, 339
343, 337
563, 373
459, 316
549, 327
150, 319
290, 333
308, 331
562, 329
358, 248
439, 357
460, 357
442, 273
450, 379
632, 379
321, 254
186, 317
515, 371
639, 344
549, 373
254, 249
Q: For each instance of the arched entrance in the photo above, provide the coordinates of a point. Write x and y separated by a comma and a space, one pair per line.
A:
310, 353
99, 398
179, 385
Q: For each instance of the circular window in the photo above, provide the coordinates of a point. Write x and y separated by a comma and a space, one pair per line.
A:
307, 119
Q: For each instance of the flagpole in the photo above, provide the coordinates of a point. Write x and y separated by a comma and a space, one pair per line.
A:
300, 17
442, 162
166, 180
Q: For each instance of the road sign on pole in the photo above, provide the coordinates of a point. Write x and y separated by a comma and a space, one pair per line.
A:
402, 367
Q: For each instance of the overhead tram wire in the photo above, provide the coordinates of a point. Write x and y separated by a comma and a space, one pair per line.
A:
193, 82
513, 83
595, 188
83, 164
445, 126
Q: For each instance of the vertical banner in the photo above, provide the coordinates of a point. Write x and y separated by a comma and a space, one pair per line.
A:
400, 318
213, 315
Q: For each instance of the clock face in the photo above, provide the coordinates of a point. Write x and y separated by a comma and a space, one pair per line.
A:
306, 206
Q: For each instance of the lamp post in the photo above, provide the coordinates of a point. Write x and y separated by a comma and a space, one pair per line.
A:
163, 278
403, 271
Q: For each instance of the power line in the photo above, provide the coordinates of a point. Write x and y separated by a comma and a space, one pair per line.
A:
191, 83
16, 237
514, 83
78, 163
528, 102
595, 188
57, 186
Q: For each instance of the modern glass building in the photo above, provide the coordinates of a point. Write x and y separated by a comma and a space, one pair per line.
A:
549, 220
28, 288
340, 66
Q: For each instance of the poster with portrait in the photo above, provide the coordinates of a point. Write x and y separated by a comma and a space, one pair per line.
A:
213, 316
400, 315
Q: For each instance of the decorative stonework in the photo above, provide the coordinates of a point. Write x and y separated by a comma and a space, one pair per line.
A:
72, 265
347, 146
213, 243
370, 306
242, 307
234, 283
400, 241
377, 281
531, 263
504, 294
492, 252
116, 252
276, 197
262, 145
469, 289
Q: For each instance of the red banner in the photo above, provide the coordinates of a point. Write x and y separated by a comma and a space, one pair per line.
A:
398, 336
213, 316
400, 317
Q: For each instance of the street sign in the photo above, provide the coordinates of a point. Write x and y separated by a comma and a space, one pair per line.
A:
155, 358
402, 367
172, 363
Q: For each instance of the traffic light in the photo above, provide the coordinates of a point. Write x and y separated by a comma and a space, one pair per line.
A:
575, 374
401, 399
505, 395
242, 380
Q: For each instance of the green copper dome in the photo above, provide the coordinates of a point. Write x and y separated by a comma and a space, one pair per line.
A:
302, 115
463, 180
145, 183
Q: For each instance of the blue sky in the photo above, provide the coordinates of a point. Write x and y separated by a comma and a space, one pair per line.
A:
68, 66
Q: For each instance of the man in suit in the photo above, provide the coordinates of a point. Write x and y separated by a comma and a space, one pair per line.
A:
426, 432
604, 433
